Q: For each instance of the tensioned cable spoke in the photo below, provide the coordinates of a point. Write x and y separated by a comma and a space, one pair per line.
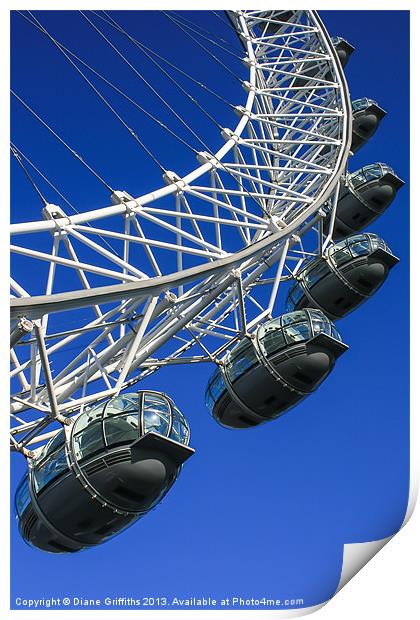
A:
37, 170
53, 40
137, 43
259, 204
186, 24
72, 151
148, 84
203, 47
195, 25
169, 76
16, 155
103, 99
118, 90
186, 93
227, 24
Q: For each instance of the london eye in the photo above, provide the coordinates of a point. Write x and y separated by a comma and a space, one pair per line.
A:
244, 256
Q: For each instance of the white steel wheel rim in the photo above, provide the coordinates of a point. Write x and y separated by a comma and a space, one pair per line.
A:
229, 270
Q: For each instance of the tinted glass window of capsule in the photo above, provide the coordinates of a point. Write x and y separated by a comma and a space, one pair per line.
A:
22, 497
361, 104
355, 246
292, 328
117, 421
369, 173
215, 389
49, 463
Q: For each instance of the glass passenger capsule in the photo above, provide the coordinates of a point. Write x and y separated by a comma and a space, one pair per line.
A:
115, 463
346, 276
365, 195
265, 375
367, 116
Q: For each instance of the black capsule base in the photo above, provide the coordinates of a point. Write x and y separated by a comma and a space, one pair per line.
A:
130, 478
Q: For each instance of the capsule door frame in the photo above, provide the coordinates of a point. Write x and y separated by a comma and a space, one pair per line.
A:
233, 394
142, 395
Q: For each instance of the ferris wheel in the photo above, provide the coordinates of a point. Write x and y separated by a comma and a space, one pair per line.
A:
244, 262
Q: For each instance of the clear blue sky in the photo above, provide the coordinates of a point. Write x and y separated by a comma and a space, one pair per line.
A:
263, 512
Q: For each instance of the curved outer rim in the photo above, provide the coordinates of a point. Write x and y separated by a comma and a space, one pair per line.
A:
42, 304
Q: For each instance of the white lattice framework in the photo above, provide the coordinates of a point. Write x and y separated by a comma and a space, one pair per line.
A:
203, 256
